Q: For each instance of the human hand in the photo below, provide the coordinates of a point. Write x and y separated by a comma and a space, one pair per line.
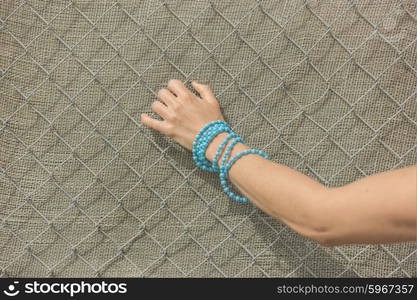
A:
183, 113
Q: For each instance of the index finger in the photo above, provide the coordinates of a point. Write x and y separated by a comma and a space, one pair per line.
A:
153, 123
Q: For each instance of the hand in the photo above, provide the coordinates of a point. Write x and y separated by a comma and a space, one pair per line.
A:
183, 113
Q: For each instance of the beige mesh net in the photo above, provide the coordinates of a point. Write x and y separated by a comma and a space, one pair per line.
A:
325, 87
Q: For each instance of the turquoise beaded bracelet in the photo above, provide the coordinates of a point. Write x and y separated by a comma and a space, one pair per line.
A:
225, 168
202, 140
229, 150
220, 148
200, 144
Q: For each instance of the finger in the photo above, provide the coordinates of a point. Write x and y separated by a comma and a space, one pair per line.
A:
153, 123
166, 96
177, 87
160, 109
205, 91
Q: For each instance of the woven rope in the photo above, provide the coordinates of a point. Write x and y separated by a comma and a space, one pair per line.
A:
325, 87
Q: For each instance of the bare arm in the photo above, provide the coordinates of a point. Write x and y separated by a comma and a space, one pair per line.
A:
376, 209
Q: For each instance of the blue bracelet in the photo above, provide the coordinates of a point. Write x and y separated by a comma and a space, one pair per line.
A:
199, 147
220, 148
224, 168
202, 140
228, 150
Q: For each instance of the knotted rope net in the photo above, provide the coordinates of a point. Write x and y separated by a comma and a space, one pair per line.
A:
325, 87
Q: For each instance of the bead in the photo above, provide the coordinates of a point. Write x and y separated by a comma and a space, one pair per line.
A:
229, 149
225, 168
220, 148
201, 141
200, 144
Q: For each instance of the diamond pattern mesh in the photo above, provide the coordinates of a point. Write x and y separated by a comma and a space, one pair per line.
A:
325, 87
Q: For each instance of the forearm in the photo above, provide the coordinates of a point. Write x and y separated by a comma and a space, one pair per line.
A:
375, 209
283, 193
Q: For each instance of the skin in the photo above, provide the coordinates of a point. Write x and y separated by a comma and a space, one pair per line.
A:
376, 209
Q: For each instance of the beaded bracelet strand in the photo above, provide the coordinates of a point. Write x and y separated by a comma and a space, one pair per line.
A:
207, 138
225, 168
199, 147
223, 164
203, 138
220, 149
201, 133
229, 150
